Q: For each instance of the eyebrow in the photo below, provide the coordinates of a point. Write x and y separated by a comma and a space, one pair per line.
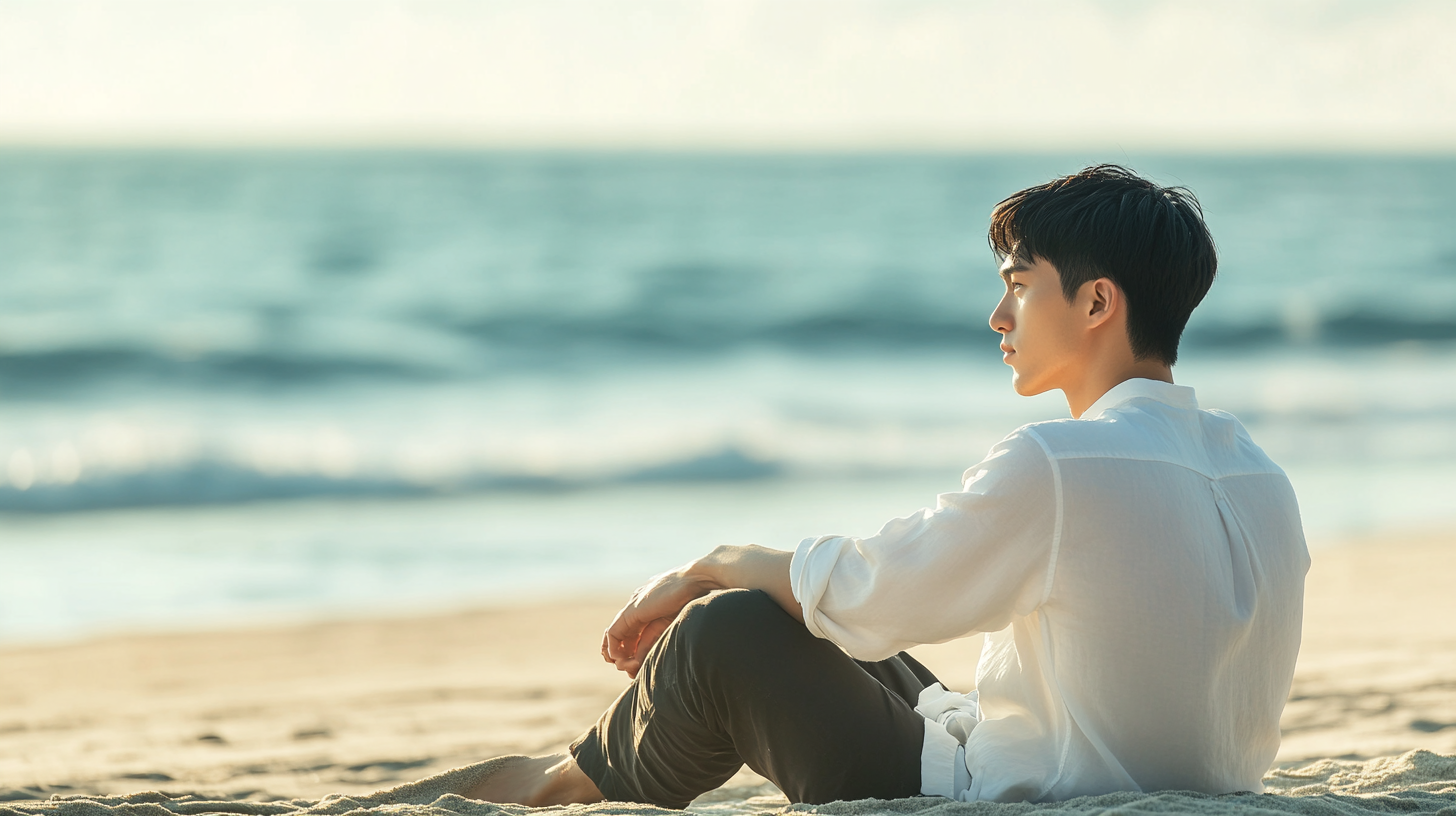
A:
1013, 269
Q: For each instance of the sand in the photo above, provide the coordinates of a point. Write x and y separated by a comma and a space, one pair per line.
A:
313, 718
1416, 782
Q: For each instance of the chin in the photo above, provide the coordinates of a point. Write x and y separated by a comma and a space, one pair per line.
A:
1026, 387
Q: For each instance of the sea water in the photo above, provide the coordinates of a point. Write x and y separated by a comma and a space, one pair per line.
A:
271, 386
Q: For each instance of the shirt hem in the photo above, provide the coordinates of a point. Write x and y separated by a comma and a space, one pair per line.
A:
937, 761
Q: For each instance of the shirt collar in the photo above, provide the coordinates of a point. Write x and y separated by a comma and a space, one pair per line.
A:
1177, 396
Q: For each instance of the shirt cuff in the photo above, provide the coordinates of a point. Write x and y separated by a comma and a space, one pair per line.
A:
809, 579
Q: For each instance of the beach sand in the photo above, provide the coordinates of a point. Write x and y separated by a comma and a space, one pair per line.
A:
350, 707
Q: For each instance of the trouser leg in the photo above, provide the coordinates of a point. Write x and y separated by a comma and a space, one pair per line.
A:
736, 680
901, 674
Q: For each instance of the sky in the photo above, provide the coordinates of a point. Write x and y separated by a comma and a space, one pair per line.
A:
797, 74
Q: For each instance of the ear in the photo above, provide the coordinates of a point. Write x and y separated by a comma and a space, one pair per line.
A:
1101, 301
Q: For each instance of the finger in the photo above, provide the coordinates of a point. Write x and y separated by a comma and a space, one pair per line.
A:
632, 665
619, 649
651, 633
628, 664
605, 639
622, 637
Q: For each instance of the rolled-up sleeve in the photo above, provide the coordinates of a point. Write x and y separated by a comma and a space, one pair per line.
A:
980, 557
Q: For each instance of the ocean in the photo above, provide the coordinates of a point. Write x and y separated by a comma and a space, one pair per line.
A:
271, 386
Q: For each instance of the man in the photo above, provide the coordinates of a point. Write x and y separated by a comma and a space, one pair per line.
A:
1138, 570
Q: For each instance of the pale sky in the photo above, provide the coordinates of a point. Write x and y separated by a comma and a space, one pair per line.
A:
1036, 74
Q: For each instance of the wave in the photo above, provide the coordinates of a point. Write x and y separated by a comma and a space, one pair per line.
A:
1347, 328
40, 370
697, 332
549, 343
220, 482
258, 270
908, 327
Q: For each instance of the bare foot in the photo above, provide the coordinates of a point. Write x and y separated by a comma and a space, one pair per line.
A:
523, 780
536, 782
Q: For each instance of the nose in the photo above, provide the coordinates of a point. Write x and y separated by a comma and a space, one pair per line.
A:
1001, 316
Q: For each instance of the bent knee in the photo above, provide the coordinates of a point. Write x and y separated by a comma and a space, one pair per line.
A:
725, 618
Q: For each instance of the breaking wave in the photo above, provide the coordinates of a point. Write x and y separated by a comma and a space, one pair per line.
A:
212, 481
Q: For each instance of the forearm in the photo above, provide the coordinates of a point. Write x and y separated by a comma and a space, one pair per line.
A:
748, 567
654, 606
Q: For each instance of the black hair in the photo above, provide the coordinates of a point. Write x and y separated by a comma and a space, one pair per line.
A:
1108, 222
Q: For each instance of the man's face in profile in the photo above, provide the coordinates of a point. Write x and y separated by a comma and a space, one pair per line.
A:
1037, 326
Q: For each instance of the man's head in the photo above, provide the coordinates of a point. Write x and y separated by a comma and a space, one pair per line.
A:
1120, 251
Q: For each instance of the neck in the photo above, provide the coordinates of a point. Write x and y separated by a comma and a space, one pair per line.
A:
1098, 380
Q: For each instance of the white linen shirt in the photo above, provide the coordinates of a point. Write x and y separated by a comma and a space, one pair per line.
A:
1140, 573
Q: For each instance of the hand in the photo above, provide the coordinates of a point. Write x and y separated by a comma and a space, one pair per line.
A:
651, 609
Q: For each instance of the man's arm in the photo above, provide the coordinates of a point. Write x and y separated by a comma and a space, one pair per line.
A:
655, 605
